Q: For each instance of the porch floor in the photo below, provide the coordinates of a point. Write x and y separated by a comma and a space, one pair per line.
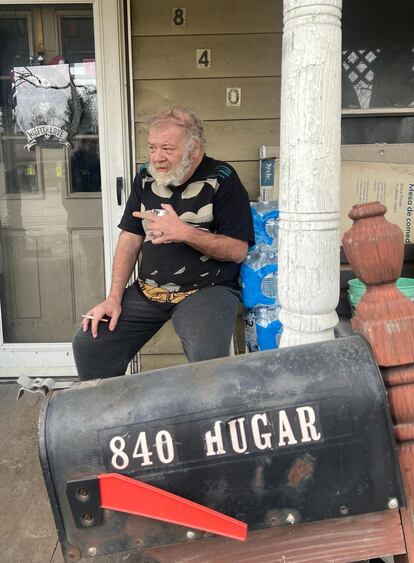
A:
27, 528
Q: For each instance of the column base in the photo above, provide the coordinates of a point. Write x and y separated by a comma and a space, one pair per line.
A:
295, 338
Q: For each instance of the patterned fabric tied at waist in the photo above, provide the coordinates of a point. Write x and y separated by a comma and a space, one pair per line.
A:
162, 295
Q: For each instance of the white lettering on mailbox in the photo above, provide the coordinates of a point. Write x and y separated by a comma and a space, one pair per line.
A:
285, 430
136, 448
237, 428
307, 421
262, 441
214, 440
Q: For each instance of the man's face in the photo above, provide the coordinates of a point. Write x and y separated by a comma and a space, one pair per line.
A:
171, 163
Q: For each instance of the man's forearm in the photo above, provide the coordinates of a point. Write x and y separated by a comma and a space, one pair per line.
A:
218, 247
126, 255
170, 228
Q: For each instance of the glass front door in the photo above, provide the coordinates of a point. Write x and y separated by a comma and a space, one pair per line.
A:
52, 259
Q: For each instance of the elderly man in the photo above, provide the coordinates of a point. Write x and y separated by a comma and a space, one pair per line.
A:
189, 256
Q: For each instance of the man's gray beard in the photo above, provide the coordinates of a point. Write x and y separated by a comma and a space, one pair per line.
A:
174, 177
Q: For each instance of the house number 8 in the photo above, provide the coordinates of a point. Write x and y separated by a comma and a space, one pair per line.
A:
179, 17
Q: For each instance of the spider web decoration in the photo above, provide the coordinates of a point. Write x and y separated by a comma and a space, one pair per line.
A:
46, 105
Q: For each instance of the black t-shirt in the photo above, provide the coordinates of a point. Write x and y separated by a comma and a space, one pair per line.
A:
213, 199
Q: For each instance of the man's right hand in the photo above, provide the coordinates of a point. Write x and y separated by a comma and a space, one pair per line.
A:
111, 308
126, 255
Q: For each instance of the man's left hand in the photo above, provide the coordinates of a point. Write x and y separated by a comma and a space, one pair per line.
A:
165, 228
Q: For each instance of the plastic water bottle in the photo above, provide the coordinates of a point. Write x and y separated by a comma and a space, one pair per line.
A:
250, 335
268, 327
265, 223
258, 276
269, 282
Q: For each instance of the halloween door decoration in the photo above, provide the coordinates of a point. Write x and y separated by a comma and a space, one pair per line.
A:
45, 105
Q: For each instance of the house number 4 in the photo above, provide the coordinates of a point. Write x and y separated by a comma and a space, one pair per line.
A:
203, 58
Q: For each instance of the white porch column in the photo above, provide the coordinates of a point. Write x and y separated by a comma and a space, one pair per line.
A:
310, 170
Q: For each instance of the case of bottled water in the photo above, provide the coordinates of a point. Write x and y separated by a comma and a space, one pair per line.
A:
259, 280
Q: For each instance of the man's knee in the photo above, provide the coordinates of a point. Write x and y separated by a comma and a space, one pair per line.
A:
78, 341
82, 341
93, 357
82, 346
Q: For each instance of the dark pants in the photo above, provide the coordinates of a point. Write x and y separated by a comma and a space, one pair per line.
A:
204, 322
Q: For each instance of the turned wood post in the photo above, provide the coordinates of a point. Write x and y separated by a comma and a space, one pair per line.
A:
375, 250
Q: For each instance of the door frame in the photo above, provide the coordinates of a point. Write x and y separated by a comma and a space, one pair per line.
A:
56, 359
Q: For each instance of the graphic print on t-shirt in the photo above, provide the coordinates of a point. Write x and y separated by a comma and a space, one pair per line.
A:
213, 199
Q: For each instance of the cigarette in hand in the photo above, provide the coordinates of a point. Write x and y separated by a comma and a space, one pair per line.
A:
90, 317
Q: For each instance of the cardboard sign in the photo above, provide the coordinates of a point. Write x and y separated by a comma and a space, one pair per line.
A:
391, 184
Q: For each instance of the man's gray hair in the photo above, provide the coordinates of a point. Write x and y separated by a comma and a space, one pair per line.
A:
185, 118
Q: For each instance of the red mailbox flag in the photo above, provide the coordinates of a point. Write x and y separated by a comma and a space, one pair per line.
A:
125, 494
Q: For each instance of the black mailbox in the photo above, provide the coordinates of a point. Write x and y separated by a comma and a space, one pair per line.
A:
272, 438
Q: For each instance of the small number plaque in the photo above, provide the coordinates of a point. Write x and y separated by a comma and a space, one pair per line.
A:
179, 17
203, 58
233, 97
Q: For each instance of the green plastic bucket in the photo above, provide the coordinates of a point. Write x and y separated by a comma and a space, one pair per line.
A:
356, 289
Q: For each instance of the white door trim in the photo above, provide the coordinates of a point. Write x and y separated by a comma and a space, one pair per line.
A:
112, 112
56, 359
